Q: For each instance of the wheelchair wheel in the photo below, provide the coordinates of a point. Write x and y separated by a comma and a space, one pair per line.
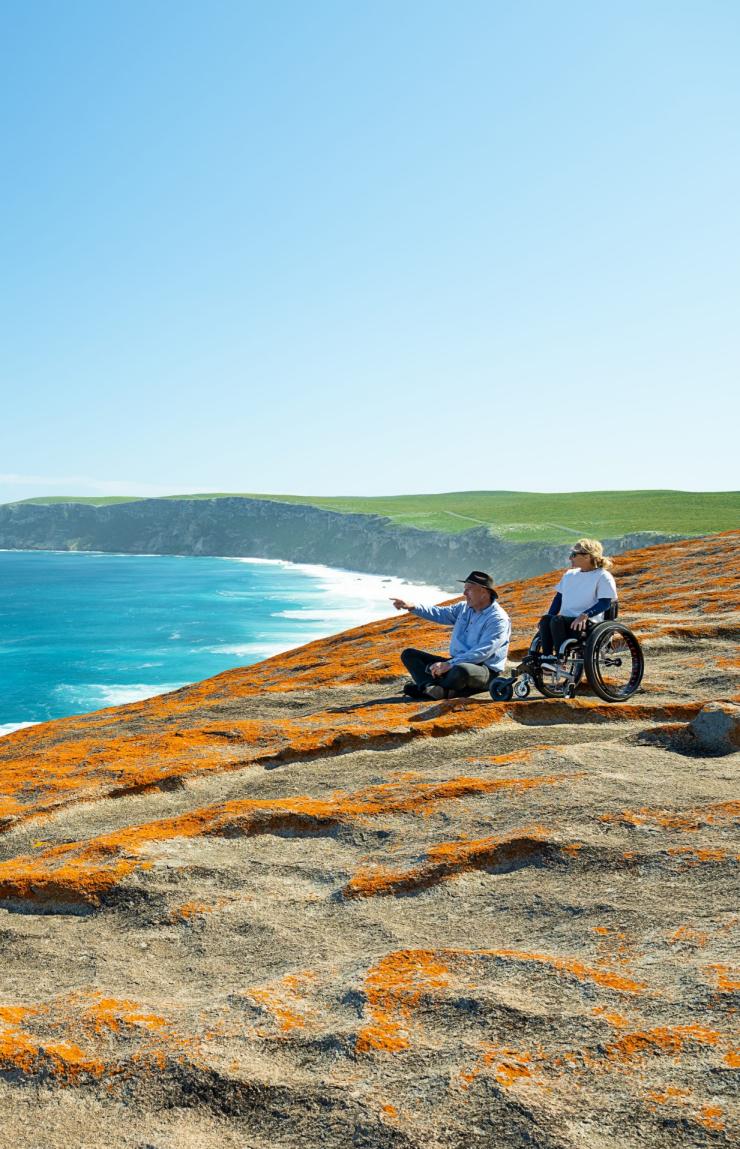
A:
613, 661
551, 684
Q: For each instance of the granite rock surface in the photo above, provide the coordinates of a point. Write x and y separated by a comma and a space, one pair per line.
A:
288, 907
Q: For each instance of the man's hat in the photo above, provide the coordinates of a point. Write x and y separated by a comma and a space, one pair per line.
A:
480, 578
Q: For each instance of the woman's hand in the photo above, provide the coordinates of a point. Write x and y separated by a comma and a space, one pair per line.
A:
439, 668
579, 623
401, 604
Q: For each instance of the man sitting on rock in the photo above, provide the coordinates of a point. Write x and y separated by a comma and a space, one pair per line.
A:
481, 630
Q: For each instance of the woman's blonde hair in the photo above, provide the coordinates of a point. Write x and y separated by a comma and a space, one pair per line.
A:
594, 548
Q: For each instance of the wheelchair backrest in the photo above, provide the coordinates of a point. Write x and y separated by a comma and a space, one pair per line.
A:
612, 612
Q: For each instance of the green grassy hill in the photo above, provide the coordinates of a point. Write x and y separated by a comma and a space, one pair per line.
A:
522, 515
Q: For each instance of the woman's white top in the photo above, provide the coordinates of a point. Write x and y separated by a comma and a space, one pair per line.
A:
581, 589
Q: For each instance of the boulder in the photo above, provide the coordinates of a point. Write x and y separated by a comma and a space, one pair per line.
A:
717, 727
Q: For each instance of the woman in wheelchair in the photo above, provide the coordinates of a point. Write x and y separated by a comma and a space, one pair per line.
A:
579, 636
583, 597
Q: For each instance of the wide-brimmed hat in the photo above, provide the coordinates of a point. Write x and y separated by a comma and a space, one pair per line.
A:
480, 578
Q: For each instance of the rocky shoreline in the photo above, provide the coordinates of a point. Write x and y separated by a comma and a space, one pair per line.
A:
258, 528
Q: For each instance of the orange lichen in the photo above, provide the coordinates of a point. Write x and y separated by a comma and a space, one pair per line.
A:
511, 757
614, 1019
613, 946
394, 987
189, 910
603, 977
688, 935
661, 1039
628, 1054
85, 871
447, 860
509, 1066
69, 1039
60, 1059
116, 1016
285, 1000
711, 1117
671, 1094
80, 768
695, 857
725, 978
732, 1059
717, 814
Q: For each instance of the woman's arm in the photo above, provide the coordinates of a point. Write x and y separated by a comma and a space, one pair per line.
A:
600, 606
556, 604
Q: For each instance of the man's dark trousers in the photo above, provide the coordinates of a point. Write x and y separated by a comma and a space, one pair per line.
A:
466, 678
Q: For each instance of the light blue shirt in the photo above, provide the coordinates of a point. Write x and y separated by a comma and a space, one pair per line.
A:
479, 636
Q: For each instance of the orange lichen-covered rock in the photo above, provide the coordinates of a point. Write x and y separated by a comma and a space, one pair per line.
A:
716, 814
317, 901
508, 1066
446, 860
724, 977
662, 1039
85, 1037
285, 1000
711, 1117
394, 987
84, 871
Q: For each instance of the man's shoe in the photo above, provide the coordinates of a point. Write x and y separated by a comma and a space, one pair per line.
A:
411, 690
436, 692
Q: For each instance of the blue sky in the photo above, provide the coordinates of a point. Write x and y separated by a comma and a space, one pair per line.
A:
367, 248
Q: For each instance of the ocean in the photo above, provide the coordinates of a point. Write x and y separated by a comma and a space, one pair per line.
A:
80, 631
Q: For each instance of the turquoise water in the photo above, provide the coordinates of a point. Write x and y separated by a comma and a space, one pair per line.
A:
83, 631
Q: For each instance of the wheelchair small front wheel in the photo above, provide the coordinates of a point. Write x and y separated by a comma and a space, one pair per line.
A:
521, 689
613, 662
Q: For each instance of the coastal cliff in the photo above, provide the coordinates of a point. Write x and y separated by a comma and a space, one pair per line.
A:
272, 530
287, 906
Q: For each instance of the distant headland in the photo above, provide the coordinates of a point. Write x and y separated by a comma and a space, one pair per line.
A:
428, 538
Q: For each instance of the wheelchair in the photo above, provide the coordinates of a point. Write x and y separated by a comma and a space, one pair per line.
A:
608, 654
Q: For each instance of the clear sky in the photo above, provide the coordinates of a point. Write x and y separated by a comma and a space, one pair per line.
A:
368, 246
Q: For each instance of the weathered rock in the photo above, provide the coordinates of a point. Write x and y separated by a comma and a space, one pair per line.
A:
717, 727
287, 907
